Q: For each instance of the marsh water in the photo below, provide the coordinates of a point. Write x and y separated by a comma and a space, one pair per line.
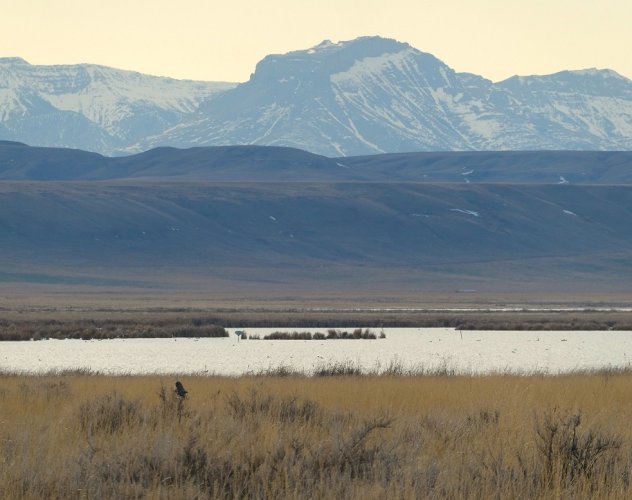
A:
475, 352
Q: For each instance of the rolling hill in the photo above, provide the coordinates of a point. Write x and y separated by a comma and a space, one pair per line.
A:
278, 164
235, 218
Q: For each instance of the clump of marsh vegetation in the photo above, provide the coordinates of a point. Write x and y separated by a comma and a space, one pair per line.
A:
346, 368
336, 435
338, 369
331, 334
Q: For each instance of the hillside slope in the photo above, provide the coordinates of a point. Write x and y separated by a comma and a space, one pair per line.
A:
317, 234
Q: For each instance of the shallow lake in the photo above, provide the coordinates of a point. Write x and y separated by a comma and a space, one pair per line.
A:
465, 352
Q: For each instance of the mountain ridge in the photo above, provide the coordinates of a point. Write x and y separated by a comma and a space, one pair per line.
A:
19, 161
364, 96
91, 106
395, 98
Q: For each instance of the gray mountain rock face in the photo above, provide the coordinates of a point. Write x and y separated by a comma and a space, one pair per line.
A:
365, 96
91, 107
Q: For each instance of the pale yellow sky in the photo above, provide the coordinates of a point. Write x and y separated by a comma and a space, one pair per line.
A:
223, 40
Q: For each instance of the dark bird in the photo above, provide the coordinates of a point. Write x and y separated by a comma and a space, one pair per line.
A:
180, 391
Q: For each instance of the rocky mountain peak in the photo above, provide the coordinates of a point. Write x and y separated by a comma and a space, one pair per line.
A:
325, 58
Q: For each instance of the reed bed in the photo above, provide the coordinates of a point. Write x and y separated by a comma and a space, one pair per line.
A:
77, 435
32, 325
332, 334
152, 327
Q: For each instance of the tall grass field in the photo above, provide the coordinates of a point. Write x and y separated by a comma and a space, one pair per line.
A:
359, 437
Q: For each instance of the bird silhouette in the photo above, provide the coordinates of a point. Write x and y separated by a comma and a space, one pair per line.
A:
180, 391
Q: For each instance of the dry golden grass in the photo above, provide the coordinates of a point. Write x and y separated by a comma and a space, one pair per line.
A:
81, 436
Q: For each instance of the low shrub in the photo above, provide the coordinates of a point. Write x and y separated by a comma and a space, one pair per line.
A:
108, 414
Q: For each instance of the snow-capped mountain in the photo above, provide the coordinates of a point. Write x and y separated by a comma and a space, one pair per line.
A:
364, 96
586, 109
91, 107
369, 95
373, 95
